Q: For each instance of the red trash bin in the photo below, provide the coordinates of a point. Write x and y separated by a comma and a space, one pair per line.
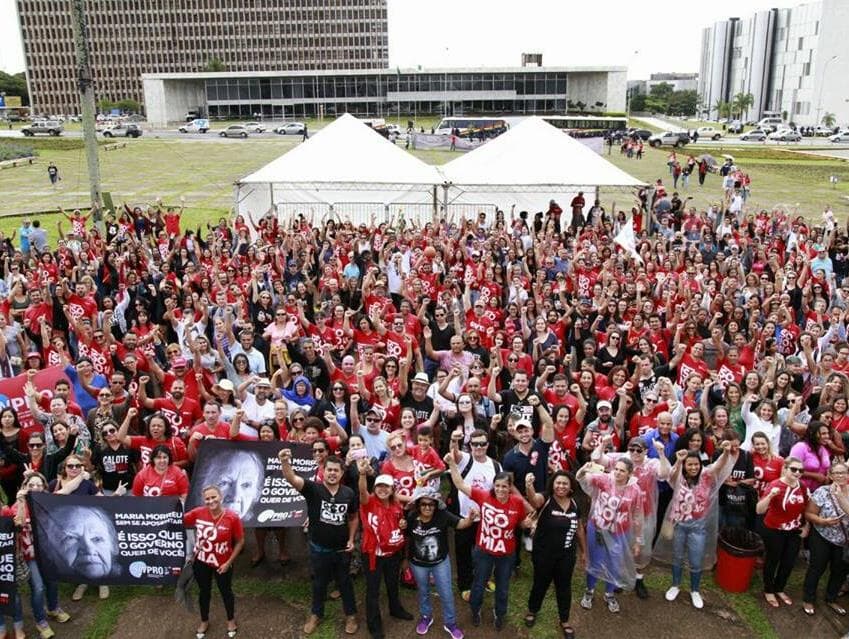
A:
736, 554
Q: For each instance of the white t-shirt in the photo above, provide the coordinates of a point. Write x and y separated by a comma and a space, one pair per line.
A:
480, 475
256, 413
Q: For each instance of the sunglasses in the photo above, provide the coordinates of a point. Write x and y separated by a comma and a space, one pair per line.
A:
372, 420
298, 419
109, 431
318, 451
73, 465
36, 445
396, 446
427, 504
479, 444
338, 389
796, 470
635, 449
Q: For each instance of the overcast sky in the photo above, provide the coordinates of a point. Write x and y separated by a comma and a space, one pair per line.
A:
647, 36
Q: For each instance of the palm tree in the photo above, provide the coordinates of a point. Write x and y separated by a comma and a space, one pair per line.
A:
829, 120
742, 102
722, 108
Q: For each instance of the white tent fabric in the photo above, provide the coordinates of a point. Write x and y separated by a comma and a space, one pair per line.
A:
527, 166
343, 162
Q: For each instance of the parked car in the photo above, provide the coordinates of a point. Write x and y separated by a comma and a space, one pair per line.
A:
201, 125
234, 131
843, 136
785, 135
123, 130
734, 126
254, 127
755, 135
290, 128
824, 131
709, 133
669, 138
48, 127
643, 134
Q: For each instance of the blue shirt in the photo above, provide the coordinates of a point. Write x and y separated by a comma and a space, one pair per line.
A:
84, 400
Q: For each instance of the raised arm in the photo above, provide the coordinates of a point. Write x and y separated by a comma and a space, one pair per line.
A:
285, 457
459, 483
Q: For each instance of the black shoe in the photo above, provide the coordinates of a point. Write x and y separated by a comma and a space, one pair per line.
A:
402, 614
641, 590
499, 622
476, 618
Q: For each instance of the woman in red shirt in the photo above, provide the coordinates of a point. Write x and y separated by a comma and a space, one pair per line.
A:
220, 539
160, 478
783, 507
767, 464
502, 509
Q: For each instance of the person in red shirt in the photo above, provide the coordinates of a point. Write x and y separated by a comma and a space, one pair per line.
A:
220, 539
159, 431
383, 524
502, 509
183, 412
210, 428
160, 478
783, 507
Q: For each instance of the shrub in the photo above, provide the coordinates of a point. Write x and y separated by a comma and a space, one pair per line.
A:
15, 151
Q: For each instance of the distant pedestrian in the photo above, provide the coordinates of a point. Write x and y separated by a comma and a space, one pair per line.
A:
53, 174
306, 133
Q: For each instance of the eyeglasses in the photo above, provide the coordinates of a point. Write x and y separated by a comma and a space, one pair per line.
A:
338, 389
109, 431
512, 359
796, 470
73, 465
635, 449
298, 419
372, 420
427, 504
36, 445
479, 444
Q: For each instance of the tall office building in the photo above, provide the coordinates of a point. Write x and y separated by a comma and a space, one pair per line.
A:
792, 61
131, 37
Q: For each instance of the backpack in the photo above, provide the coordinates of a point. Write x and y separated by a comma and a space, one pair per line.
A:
452, 503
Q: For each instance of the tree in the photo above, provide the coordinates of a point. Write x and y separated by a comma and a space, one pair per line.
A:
214, 65
723, 108
662, 91
638, 102
829, 120
129, 106
15, 84
105, 106
741, 103
683, 103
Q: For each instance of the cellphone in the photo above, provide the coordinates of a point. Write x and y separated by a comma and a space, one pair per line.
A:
359, 454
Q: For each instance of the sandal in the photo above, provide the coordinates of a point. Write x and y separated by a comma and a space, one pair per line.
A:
568, 631
787, 601
771, 600
808, 609
232, 633
836, 607
530, 619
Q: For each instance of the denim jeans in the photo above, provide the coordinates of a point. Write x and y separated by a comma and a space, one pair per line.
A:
484, 566
605, 557
38, 588
441, 573
327, 566
690, 537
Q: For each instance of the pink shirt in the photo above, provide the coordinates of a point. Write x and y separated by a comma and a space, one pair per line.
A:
812, 462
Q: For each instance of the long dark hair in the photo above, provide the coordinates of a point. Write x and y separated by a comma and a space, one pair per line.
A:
692, 455
576, 492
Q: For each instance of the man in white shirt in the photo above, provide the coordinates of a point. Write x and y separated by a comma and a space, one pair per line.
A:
257, 406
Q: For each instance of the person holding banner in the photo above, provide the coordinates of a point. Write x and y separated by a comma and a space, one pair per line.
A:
38, 586
332, 510
220, 539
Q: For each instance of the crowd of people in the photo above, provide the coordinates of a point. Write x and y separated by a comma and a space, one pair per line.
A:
530, 388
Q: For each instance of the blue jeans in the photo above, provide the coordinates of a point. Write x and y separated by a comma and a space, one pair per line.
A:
603, 562
441, 573
484, 565
689, 536
38, 589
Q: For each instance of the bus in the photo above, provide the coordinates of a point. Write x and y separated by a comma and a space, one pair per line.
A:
472, 126
587, 126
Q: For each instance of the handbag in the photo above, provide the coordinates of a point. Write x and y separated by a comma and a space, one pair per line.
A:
837, 509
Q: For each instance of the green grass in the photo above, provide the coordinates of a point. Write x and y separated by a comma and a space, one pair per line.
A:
110, 611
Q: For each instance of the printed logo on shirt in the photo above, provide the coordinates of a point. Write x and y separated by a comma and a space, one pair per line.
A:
333, 514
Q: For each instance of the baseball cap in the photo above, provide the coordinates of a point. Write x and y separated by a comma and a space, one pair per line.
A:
604, 404
384, 480
225, 384
179, 362
263, 381
522, 423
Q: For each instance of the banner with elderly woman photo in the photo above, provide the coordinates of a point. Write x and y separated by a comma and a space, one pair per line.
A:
251, 482
8, 568
108, 540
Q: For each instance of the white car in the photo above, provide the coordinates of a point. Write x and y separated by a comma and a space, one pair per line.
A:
290, 128
201, 125
254, 127
709, 132
785, 135
234, 131
843, 136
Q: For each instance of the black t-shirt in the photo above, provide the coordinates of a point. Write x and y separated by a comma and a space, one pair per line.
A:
423, 408
429, 541
441, 337
329, 514
556, 529
510, 403
115, 466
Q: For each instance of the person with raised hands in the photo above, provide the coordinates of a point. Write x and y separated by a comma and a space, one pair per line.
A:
691, 521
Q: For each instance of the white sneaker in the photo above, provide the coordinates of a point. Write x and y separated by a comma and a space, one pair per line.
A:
697, 600
103, 592
528, 542
78, 593
672, 593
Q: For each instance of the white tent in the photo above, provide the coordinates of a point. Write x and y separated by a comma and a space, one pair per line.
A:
347, 165
530, 164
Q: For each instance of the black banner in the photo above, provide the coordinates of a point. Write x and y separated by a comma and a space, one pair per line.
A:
108, 540
251, 483
8, 574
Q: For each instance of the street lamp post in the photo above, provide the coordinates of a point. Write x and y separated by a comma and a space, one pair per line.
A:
822, 85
